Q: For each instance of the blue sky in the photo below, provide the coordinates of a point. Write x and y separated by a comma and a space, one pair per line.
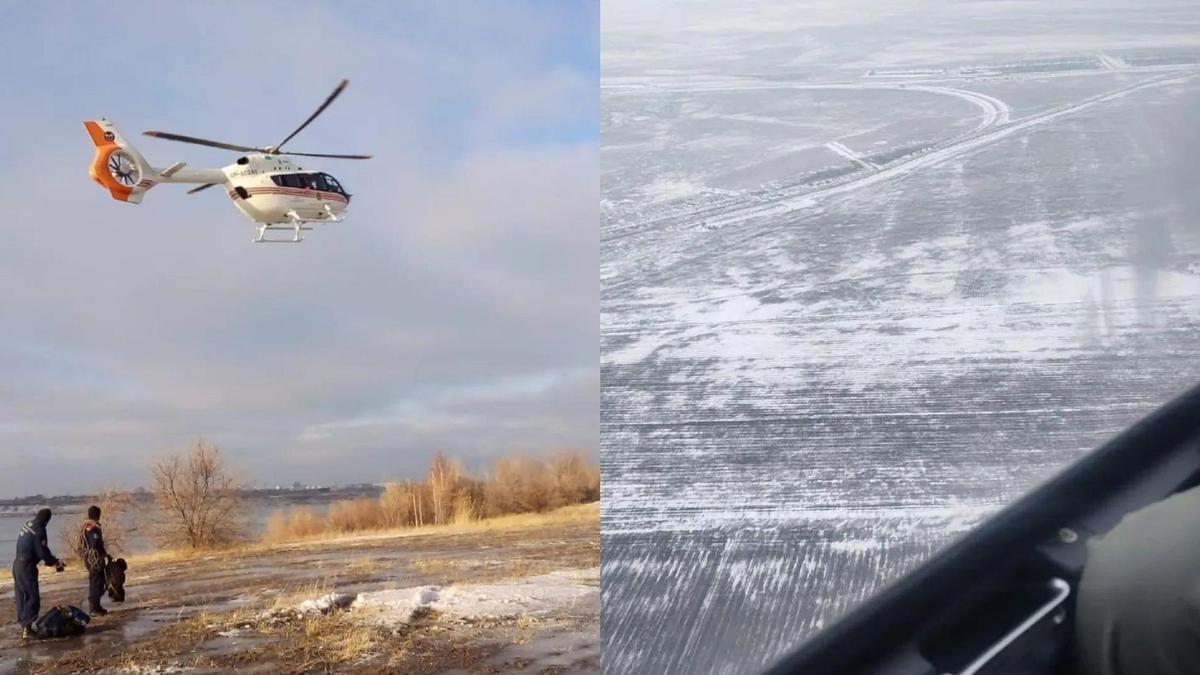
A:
456, 309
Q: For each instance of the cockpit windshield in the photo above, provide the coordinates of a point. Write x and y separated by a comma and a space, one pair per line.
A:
331, 183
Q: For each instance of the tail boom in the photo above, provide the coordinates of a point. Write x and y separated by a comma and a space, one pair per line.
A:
118, 167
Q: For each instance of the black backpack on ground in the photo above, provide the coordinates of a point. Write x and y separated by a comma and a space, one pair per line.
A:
62, 621
114, 579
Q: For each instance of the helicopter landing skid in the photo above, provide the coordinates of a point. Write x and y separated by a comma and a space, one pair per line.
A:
330, 216
296, 227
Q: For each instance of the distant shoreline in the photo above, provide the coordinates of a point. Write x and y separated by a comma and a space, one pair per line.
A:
294, 495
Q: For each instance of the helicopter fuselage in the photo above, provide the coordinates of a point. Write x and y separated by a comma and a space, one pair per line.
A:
271, 189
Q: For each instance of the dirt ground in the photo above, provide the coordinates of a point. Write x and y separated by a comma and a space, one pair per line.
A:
245, 610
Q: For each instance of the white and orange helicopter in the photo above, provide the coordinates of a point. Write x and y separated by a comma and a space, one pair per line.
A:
263, 183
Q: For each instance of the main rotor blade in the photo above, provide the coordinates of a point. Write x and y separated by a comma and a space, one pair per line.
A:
336, 92
200, 141
202, 187
317, 154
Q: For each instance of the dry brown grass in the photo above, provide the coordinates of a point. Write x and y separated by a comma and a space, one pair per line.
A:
435, 566
355, 515
301, 593
449, 497
578, 514
568, 515
363, 566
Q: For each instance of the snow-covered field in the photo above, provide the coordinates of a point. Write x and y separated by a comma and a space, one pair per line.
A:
867, 276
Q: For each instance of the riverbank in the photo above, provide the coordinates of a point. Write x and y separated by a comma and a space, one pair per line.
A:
511, 592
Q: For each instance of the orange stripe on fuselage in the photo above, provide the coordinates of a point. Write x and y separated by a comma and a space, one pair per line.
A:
297, 192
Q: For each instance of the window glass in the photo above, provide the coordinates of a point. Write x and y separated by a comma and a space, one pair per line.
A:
317, 181
1002, 230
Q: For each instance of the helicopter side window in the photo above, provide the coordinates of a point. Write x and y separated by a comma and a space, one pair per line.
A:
317, 181
291, 180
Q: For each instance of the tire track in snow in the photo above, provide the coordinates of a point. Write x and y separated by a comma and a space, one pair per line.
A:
851, 155
995, 112
787, 204
939, 156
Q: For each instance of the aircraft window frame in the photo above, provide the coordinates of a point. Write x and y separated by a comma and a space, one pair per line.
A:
333, 184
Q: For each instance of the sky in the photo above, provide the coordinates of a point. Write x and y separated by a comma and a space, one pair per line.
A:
456, 309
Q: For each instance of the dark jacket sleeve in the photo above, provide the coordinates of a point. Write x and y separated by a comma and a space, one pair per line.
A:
41, 548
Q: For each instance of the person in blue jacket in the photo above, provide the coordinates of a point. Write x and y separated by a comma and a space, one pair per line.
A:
95, 559
31, 549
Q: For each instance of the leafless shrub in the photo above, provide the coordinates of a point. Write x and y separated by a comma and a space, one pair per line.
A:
400, 504
354, 515
449, 495
199, 498
516, 485
443, 481
464, 509
576, 480
294, 522
114, 514
523, 484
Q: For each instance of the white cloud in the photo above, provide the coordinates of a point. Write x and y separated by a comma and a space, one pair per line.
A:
468, 261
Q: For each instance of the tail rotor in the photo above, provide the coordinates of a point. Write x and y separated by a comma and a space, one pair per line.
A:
116, 165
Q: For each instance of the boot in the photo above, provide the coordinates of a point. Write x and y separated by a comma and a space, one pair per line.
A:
97, 610
26, 634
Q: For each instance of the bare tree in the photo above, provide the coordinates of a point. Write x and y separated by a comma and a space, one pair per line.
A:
399, 502
199, 497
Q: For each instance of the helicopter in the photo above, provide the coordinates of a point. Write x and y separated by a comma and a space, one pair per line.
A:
264, 183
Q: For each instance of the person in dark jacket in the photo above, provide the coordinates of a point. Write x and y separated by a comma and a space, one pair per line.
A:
95, 559
1138, 611
31, 549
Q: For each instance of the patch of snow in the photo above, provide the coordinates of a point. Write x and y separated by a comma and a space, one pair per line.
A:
325, 604
533, 596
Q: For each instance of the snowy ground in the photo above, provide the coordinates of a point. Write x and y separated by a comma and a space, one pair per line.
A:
858, 294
